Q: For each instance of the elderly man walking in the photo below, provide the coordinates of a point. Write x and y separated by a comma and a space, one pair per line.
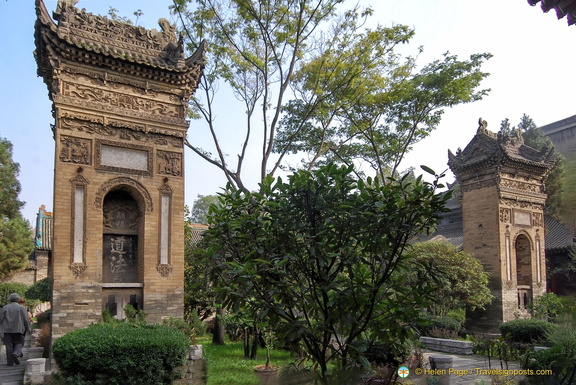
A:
14, 322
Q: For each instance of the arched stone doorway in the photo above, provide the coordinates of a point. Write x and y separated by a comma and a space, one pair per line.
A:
523, 253
122, 276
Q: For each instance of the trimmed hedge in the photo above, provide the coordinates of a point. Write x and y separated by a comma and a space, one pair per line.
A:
526, 330
121, 354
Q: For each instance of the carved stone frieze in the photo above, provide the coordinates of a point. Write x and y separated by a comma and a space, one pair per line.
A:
471, 185
139, 114
120, 129
169, 163
514, 202
103, 78
120, 100
127, 184
75, 150
164, 269
521, 185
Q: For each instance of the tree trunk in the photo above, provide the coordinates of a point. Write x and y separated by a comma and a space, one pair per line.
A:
255, 342
219, 331
247, 343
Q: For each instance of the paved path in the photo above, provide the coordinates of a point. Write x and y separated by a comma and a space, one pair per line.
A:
13, 375
472, 369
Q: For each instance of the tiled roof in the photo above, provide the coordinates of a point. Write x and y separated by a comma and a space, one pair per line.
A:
97, 39
488, 148
563, 8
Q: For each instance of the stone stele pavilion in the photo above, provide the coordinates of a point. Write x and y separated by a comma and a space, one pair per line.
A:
502, 183
120, 96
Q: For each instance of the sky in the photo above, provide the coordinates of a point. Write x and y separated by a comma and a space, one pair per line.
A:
531, 73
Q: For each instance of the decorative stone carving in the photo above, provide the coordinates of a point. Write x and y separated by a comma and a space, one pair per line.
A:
169, 163
78, 269
505, 215
537, 220
164, 269
121, 216
119, 100
122, 129
521, 186
75, 150
127, 184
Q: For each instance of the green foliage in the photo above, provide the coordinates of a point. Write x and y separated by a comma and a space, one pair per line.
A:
355, 96
546, 307
198, 289
440, 326
323, 257
529, 330
16, 242
8, 288
200, 208
122, 354
41, 290
463, 281
560, 358
183, 326
501, 348
225, 364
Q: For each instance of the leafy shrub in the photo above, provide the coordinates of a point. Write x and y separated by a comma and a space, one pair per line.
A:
442, 327
183, 326
526, 330
121, 354
8, 288
41, 290
546, 307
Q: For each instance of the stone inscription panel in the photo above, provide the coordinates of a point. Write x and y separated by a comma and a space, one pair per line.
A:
522, 218
132, 159
124, 157
120, 263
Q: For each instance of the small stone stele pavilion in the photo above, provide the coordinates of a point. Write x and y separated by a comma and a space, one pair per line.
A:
502, 184
120, 96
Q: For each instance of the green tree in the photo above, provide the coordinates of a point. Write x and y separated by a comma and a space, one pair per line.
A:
464, 283
16, 242
535, 138
200, 208
325, 258
353, 96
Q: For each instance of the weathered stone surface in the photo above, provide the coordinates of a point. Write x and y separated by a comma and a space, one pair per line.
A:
446, 345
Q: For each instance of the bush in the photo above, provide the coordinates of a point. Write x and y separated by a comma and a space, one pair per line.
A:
121, 354
441, 327
546, 307
8, 288
526, 330
41, 290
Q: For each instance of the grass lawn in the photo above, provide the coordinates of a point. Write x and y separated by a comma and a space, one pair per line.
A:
227, 365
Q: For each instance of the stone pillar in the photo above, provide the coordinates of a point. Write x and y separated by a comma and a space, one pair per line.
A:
35, 371
441, 364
